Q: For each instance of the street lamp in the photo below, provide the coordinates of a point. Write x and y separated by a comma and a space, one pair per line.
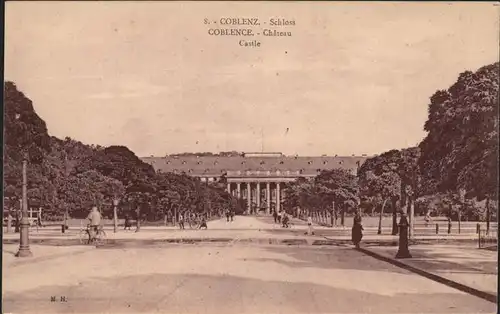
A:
115, 215
403, 251
24, 246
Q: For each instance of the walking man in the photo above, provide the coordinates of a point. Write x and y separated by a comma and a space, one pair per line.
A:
310, 230
181, 221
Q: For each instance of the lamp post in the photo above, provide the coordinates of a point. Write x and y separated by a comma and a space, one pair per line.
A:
403, 251
24, 246
115, 215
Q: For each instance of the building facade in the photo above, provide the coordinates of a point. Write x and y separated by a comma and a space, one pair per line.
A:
258, 178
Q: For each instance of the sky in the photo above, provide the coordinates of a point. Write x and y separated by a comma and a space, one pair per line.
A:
354, 78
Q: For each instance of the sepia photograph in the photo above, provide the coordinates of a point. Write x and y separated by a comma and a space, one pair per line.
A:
263, 157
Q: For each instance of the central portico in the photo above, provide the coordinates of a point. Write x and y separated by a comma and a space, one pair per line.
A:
262, 190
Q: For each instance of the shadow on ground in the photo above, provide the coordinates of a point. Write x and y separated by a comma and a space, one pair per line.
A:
338, 258
227, 294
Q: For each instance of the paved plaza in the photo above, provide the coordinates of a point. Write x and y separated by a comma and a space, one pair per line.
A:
223, 277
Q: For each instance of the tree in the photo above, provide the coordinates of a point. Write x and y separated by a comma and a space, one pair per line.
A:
339, 186
383, 188
461, 148
398, 166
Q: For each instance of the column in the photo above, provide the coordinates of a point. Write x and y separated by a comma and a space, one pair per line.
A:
268, 196
258, 196
229, 188
278, 197
238, 191
249, 196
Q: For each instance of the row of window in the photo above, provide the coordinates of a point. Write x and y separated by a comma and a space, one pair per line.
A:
248, 172
243, 162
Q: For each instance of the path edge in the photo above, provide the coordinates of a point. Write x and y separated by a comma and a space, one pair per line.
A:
448, 282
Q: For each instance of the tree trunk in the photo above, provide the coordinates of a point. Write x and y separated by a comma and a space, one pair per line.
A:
394, 217
380, 218
342, 217
487, 215
138, 227
402, 201
411, 205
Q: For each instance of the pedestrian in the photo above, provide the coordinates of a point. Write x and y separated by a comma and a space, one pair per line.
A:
232, 215
227, 215
203, 223
357, 230
279, 217
128, 224
181, 221
275, 215
310, 230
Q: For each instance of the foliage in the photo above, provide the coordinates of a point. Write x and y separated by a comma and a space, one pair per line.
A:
461, 148
69, 176
337, 185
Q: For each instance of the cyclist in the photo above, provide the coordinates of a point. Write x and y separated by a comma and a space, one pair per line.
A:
94, 218
285, 220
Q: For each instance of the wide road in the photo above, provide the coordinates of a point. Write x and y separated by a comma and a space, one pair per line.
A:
225, 278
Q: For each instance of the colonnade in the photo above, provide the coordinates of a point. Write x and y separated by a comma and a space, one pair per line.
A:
258, 195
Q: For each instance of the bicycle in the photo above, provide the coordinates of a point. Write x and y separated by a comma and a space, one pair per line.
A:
194, 223
99, 239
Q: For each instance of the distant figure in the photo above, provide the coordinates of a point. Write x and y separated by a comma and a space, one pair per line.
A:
128, 224
285, 220
203, 223
94, 218
39, 220
275, 215
427, 218
357, 230
181, 221
232, 215
310, 230
228, 214
279, 217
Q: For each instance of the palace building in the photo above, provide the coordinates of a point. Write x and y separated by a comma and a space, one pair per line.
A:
257, 178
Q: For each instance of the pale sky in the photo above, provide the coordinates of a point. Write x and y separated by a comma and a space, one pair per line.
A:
352, 79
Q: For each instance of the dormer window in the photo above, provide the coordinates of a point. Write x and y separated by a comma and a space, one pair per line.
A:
243, 162
262, 162
341, 162
168, 162
325, 162
309, 162
190, 170
282, 162
199, 162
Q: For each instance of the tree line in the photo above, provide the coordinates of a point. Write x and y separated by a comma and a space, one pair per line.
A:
452, 172
67, 177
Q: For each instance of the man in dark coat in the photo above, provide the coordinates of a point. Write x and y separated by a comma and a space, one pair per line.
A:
357, 230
